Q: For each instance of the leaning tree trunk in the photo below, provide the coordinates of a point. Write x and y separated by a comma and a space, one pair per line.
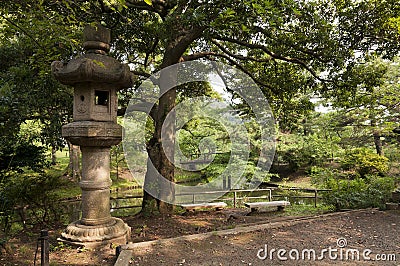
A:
160, 162
161, 154
160, 150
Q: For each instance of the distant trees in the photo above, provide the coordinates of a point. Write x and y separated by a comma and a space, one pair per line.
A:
373, 108
27, 90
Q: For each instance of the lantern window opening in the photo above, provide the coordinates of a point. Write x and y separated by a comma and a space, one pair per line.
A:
101, 97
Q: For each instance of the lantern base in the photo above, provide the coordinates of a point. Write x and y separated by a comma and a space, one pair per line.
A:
115, 232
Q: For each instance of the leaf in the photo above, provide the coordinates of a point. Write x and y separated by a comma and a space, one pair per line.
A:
149, 2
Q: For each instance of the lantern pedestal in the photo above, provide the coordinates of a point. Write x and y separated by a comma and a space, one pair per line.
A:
96, 78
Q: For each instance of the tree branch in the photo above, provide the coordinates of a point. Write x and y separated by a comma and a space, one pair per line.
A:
210, 55
274, 55
305, 51
148, 53
243, 69
145, 107
196, 56
141, 73
24, 31
239, 57
139, 4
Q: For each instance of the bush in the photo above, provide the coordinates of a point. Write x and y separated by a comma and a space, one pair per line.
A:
29, 198
219, 166
365, 161
353, 193
293, 158
21, 155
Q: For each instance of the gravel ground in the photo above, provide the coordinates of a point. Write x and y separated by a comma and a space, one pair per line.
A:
372, 233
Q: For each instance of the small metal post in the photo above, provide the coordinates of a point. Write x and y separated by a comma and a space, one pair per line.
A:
44, 248
193, 199
316, 197
118, 251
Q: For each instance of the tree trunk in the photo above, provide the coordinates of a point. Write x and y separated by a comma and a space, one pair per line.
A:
74, 161
160, 165
53, 155
161, 152
376, 135
378, 143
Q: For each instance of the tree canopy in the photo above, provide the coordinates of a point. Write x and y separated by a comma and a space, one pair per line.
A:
287, 47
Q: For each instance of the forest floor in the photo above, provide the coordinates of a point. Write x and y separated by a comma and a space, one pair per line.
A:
365, 229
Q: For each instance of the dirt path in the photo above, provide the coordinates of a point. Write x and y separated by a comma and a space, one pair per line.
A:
366, 229
340, 234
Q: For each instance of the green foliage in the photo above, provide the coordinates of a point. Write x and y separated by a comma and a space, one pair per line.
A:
359, 192
33, 106
364, 161
217, 166
348, 192
301, 151
16, 156
60, 246
150, 208
30, 197
303, 210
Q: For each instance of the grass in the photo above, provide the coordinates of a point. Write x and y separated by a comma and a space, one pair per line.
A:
187, 177
68, 190
122, 183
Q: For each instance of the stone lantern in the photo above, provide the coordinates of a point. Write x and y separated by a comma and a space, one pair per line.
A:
96, 77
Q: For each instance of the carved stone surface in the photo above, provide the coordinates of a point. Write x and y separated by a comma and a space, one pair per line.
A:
86, 102
97, 39
114, 231
96, 78
93, 68
92, 133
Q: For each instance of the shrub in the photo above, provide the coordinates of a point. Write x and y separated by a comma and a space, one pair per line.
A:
29, 198
293, 158
348, 192
365, 161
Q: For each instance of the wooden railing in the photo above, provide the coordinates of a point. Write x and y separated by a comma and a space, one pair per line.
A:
267, 196
236, 195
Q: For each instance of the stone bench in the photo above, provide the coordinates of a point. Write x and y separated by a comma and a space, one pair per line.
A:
207, 205
255, 206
